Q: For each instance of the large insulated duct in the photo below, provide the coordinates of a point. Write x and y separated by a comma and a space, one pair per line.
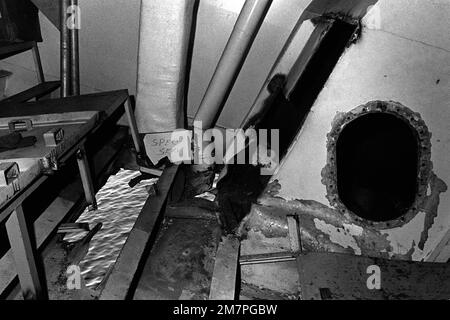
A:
250, 19
165, 31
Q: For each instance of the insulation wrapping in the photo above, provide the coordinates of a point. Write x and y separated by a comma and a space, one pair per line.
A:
165, 31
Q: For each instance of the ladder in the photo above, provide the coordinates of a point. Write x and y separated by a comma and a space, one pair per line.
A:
43, 88
57, 12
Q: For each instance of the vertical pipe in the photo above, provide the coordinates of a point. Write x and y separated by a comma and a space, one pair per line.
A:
233, 57
65, 50
75, 55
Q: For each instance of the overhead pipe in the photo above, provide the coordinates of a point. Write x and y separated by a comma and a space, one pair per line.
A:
233, 57
248, 23
65, 64
74, 46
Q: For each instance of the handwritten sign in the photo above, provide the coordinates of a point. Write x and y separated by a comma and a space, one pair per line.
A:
172, 145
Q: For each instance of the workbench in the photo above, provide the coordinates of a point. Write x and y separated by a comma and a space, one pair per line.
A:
77, 118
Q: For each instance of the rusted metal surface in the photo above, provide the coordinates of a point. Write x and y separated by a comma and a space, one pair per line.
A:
347, 277
329, 173
181, 263
322, 229
333, 228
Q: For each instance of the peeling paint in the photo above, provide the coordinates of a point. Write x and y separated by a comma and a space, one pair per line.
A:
327, 229
354, 230
272, 223
403, 242
344, 239
269, 217
329, 172
430, 206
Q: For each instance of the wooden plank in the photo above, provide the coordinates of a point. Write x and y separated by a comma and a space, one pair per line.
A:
348, 277
25, 257
37, 92
223, 284
118, 285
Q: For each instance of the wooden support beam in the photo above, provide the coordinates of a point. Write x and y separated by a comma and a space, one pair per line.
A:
223, 284
119, 283
25, 257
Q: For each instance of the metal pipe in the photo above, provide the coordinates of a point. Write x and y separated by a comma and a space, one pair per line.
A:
65, 50
38, 63
133, 126
86, 178
75, 51
266, 258
233, 57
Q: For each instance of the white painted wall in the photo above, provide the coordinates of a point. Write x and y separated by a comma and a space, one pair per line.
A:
403, 52
109, 41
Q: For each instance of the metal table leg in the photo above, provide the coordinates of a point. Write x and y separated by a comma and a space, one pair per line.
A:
25, 257
133, 126
86, 178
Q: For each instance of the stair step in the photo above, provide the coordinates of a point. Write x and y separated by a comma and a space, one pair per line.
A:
37, 92
50, 8
8, 49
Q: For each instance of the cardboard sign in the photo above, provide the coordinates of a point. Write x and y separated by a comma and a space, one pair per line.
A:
175, 145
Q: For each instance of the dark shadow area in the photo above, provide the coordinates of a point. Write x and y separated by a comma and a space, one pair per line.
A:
377, 164
243, 183
288, 115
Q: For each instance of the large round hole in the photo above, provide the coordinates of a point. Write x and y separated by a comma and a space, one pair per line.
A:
377, 165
